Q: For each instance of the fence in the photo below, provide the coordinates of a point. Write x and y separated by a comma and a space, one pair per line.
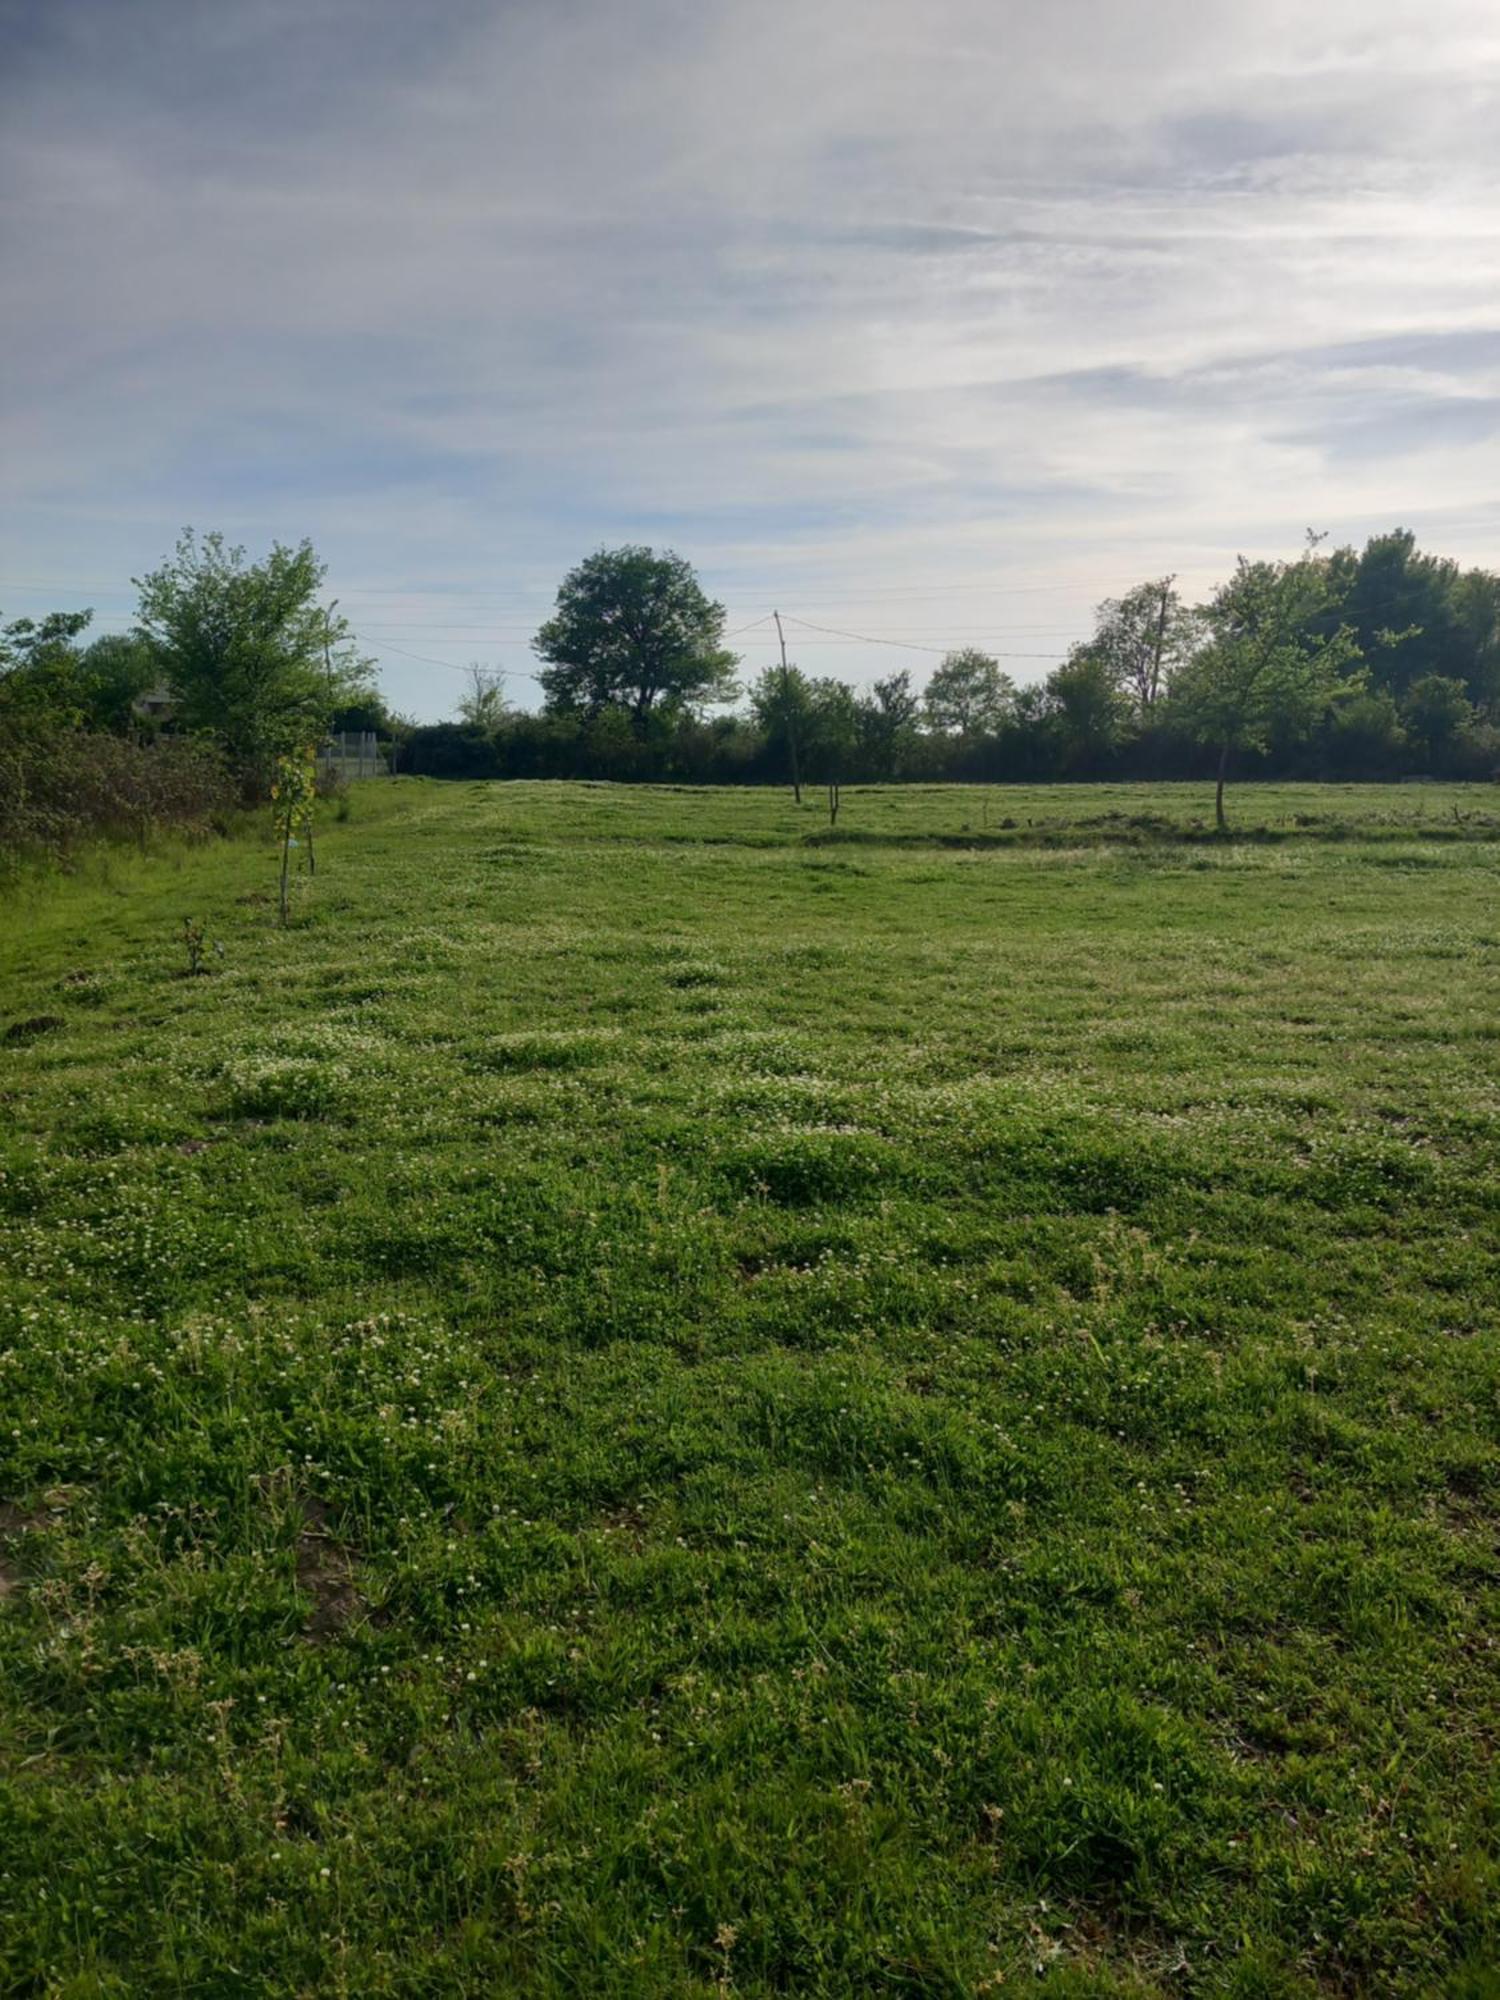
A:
352, 753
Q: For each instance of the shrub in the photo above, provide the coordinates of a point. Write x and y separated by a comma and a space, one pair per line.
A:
59, 787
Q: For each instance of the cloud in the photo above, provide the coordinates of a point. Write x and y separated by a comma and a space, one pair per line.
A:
954, 312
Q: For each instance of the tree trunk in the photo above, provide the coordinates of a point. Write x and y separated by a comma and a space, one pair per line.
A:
1219, 820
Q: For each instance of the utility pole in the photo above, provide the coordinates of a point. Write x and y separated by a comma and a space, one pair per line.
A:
312, 860
786, 702
1161, 638
328, 649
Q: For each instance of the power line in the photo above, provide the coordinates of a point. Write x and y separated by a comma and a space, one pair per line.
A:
474, 594
907, 645
452, 666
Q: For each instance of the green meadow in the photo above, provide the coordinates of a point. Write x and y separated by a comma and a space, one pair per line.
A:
655, 1399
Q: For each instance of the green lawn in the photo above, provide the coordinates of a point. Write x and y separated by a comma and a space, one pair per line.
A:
648, 1404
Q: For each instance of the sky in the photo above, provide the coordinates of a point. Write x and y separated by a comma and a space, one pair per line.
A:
928, 324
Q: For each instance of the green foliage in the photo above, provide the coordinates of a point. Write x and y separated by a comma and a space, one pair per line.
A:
886, 727
200, 948
1143, 638
1414, 614
1088, 709
294, 797
1436, 713
1274, 663
61, 787
250, 655
483, 706
967, 695
647, 1406
40, 669
633, 630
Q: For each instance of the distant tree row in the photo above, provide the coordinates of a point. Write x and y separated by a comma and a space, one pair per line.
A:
1377, 663
1374, 663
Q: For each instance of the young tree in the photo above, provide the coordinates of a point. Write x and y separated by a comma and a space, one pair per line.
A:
968, 695
1143, 637
251, 656
633, 629
1271, 661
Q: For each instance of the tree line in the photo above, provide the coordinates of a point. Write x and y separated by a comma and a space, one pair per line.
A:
1374, 663
1380, 662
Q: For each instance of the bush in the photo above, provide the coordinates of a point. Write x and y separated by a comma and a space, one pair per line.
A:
59, 787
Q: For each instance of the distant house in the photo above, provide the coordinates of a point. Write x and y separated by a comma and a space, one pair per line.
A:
155, 705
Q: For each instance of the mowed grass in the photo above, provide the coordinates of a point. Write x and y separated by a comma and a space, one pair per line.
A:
640, 1405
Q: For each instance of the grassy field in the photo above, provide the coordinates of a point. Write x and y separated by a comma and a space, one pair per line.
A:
648, 1403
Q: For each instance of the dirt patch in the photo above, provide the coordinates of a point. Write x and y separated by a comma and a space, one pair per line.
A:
325, 1573
14, 1523
626, 1524
21, 1032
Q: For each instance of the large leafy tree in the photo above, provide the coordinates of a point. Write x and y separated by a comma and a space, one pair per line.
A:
1275, 660
967, 695
634, 630
1415, 614
251, 656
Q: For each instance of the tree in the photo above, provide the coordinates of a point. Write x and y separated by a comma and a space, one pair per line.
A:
40, 670
634, 630
1416, 614
781, 704
1142, 638
832, 737
45, 672
886, 721
968, 695
1437, 712
484, 706
1364, 737
1271, 660
251, 656
115, 671
1089, 711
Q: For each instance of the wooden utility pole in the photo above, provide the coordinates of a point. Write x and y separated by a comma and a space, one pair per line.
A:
328, 648
1161, 639
786, 703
